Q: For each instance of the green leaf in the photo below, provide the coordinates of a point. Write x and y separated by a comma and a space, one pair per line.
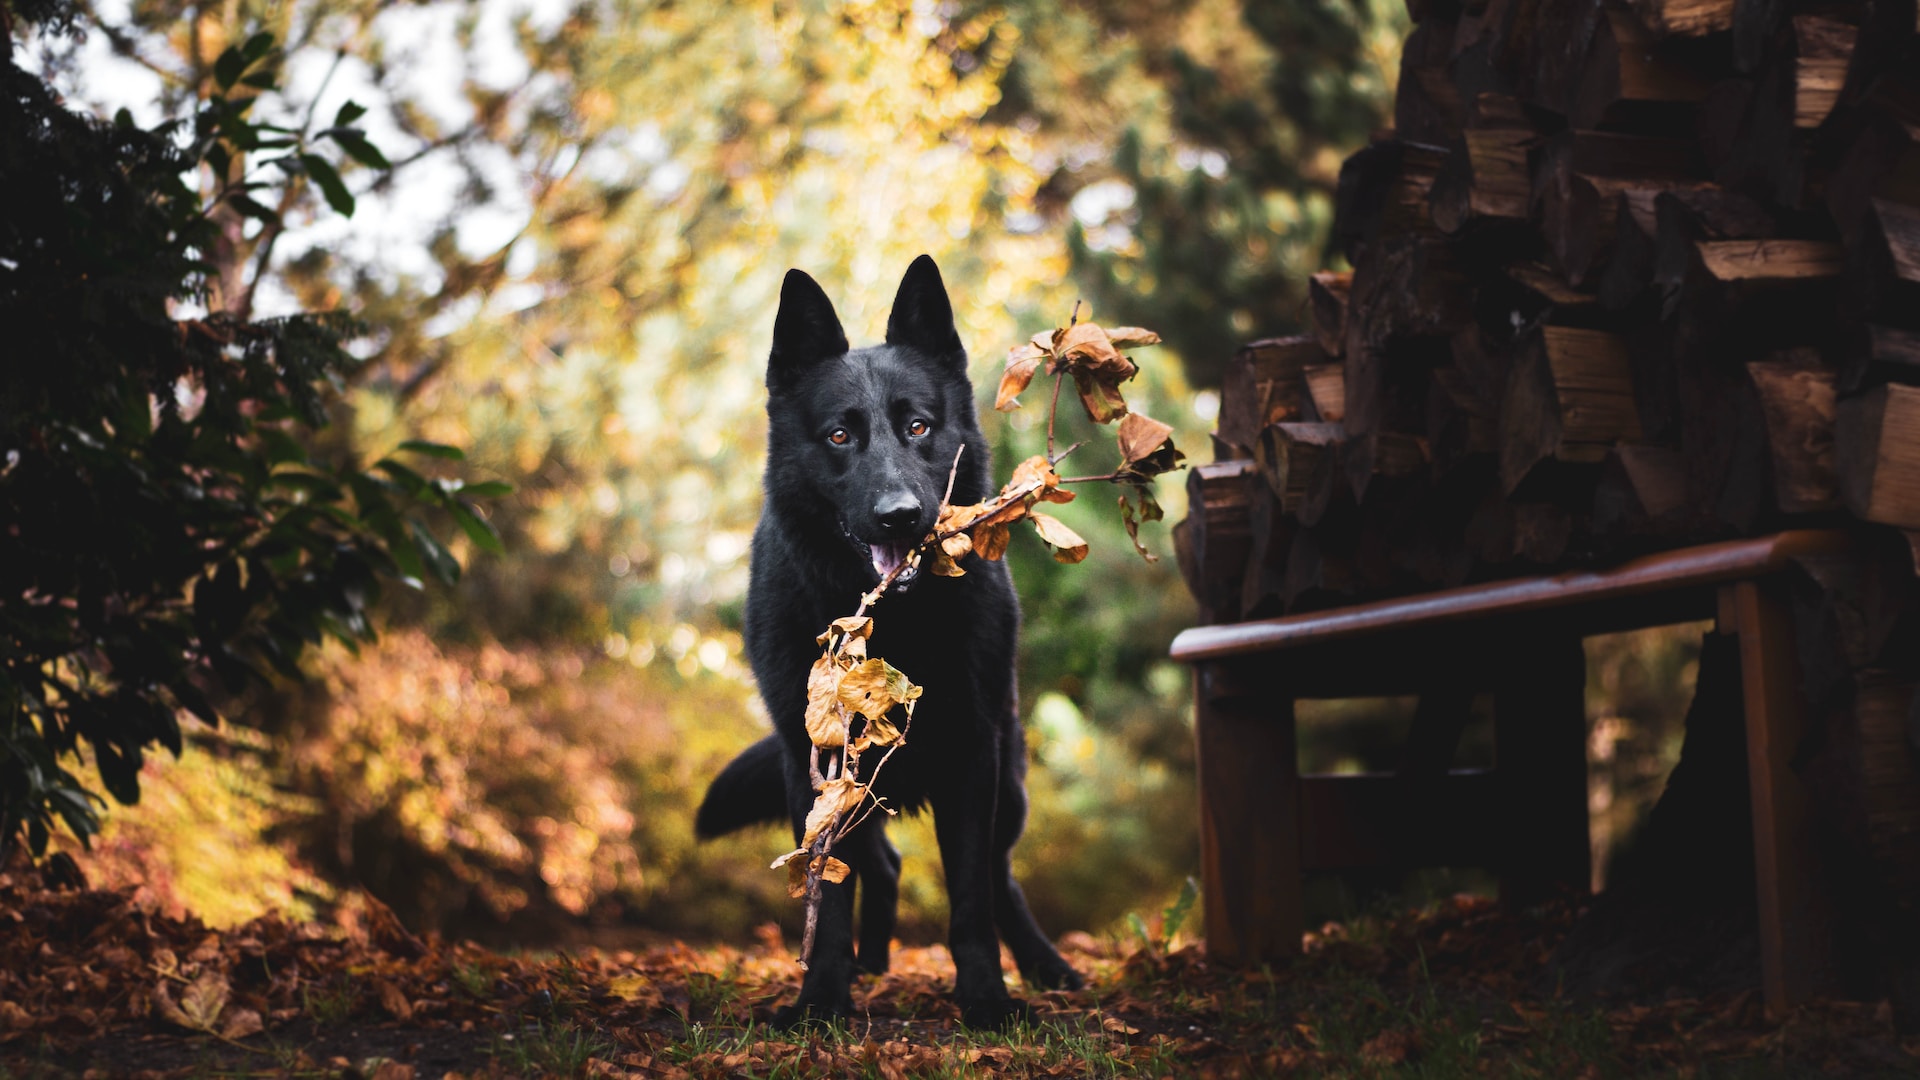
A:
359, 149
348, 113
1176, 914
490, 489
261, 80
438, 558
477, 528
281, 447
434, 449
246, 205
412, 482
257, 46
331, 186
228, 69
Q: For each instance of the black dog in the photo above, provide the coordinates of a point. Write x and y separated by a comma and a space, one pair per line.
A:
859, 447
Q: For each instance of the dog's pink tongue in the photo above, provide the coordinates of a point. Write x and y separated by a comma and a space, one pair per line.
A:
888, 557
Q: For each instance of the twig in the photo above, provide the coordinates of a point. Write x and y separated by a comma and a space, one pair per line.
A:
845, 821
1053, 407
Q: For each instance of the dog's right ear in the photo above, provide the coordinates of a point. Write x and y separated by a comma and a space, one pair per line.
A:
806, 331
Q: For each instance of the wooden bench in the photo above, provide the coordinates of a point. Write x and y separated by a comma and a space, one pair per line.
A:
1262, 824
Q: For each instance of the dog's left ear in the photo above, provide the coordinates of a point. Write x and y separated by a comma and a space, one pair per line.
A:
922, 316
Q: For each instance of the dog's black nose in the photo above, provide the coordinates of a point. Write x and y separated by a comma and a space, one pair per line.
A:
897, 512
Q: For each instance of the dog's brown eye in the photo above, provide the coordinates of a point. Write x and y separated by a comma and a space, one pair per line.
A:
918, 428
838, 436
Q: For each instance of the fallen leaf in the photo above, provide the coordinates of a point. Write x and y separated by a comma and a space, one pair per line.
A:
1118, 1026
200, 1004
630, 987
392, 1000
391, 1070
242, 1023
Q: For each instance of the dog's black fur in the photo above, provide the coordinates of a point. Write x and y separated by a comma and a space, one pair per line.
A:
859, 448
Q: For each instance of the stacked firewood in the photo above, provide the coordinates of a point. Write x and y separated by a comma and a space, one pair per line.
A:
1626, 276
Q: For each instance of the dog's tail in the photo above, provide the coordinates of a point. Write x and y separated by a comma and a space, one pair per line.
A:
752, 789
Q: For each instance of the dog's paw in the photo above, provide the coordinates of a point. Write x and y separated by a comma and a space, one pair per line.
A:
993, 1013
1054, 974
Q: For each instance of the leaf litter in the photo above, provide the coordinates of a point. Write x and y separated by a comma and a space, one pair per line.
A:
1453, 988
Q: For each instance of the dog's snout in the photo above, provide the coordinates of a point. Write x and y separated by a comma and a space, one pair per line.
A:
896, 512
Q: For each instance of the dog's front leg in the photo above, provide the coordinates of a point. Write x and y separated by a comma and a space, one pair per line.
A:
963, 821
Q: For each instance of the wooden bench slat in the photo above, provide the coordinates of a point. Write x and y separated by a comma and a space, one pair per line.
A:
1707, 564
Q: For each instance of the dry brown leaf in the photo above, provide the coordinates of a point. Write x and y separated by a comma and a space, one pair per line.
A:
1140, 436
1118, 1026
1086, 345
836, 796
833, 869
391, 1070
826, 724
1022, 364
1101, 396
990, 541
1037, 470
872, 688
200, 1004
242, 1023
1149, 510
1131, 337
392, 1000
1066, 544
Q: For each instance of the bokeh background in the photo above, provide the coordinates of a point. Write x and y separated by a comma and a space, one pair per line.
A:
571, 271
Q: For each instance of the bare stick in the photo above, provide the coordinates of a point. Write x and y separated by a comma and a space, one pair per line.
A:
1053, 407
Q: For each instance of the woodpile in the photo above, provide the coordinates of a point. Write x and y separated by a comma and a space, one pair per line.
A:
1627, 275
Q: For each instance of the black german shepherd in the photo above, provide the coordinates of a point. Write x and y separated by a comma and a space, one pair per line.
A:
859, 447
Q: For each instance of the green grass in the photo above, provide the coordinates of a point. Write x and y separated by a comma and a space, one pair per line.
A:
551, 1050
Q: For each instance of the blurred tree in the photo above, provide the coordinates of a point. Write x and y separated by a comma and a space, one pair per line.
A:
164, 527
572, 266
1214, 208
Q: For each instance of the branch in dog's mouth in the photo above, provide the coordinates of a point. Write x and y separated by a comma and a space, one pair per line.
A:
888, 557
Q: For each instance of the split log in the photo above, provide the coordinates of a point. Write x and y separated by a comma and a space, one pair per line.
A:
1327, 390
1270, 529
1327, 296
1289, 456
1426, 104
1579, 175
1731, 261
1486, 178
1219, 534
1629, 268
1318, 575
1885, 354
1888, 45
1755, 24
1628, 80
1641, 497
1797, 397
1569, 398
1263, 385
1684, 18
1877, 442
1684, 218
1822, 49
1883, 271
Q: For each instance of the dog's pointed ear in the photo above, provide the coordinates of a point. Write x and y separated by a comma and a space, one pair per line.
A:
922, 316
806, 331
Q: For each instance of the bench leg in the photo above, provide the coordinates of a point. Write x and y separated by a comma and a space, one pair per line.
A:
1792, 927
1540, 755
1249, 817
